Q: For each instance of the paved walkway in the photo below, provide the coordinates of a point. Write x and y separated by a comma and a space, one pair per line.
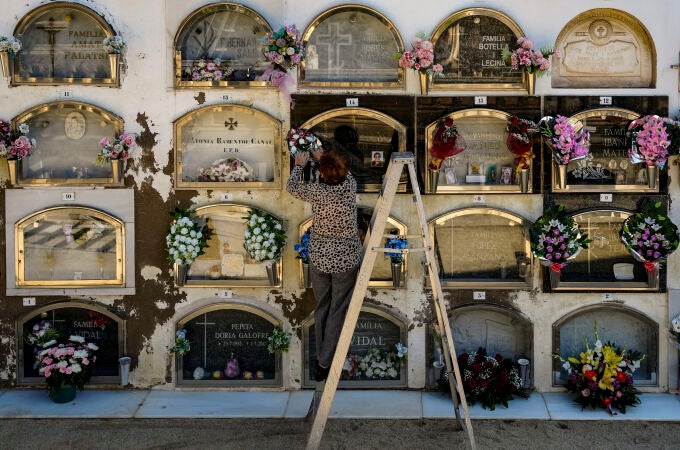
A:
348, 404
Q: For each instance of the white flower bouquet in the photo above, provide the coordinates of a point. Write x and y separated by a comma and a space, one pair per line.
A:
186, 238
377, 364
11, 45
227, 169
114, 44
264, 236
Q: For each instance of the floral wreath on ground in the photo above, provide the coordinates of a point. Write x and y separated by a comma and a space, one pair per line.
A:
208, 69
556, 238
525, 57
376, 364
226, 169
119, 148
489, 380
650, 236
522, 135
649, 141
186, 237
562, 139
284, 52
302, 248
278, 341
603, 376
421, 57
446, 142
264, 236
67, 363
11, 45
181, 345
398, 243
14, 142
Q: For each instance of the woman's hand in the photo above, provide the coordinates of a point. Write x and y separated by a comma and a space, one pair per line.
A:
301, 159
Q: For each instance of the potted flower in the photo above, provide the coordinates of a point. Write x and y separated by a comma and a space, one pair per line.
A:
14, 145
522, 135
264, 241
114, 46
114, 151
421, 59
565, 143
208, 69
396, 258
649, 145
278, 341
602, 377
555, 238
302, 250
530, 61
185, 240
284, 52
9, 49
181, 345
66, 366
446, 143
650, 236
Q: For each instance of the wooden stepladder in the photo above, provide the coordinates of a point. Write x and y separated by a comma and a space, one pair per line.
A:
373, 239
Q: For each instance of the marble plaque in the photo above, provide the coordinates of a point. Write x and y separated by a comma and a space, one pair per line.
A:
604, 48
229, 344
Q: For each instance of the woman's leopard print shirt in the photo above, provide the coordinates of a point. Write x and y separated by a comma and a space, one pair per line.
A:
334, 246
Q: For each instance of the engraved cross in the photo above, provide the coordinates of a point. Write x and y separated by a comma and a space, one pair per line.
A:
231, 123
333, 40
205, 324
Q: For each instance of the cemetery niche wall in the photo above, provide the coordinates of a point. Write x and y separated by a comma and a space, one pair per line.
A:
67, 135
624, 326
351, 46
94, 323
372, 360
228, 37
62, 44
227, 146
229, 348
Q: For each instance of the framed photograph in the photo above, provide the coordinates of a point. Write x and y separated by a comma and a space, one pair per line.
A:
377, 159
506, 175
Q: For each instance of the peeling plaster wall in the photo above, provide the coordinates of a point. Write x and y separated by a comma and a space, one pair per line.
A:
148, 103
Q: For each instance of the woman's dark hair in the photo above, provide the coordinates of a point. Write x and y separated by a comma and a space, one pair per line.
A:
333, 167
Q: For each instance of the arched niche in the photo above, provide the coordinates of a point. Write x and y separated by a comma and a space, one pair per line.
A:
486, 164
627, 328
229, 347
67, 135
224, 261
227, 146
482, 247
605, 265
224, 30
607, 166
604, 48
382, 274
376, 334
468, 45
69, 246
361, 133
62, 44
351, 46
95, 323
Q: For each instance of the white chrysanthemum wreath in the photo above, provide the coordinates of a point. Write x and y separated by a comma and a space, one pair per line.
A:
186, 238
264, 236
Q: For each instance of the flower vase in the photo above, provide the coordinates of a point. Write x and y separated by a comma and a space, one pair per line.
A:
12, 168
562, 176
433, 181
530, 82
397, 271
554, 279
306, 280
4, 59
653, 277
113, 65
272, 267
424, 82
524, 180
652, 175
117, 166
63, 394
181, 271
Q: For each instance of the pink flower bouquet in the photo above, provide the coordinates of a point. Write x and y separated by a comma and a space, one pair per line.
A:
118, 148
420, 57
67, 364
14, 142
649, 142
525, 57
563, 140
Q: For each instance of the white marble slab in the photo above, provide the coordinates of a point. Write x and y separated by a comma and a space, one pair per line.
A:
377, 405
436, 405
213, 404
663, 407
87, 404
299, 403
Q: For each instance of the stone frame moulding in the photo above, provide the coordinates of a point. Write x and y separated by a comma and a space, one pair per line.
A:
214, 9
234, 383
53, 27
